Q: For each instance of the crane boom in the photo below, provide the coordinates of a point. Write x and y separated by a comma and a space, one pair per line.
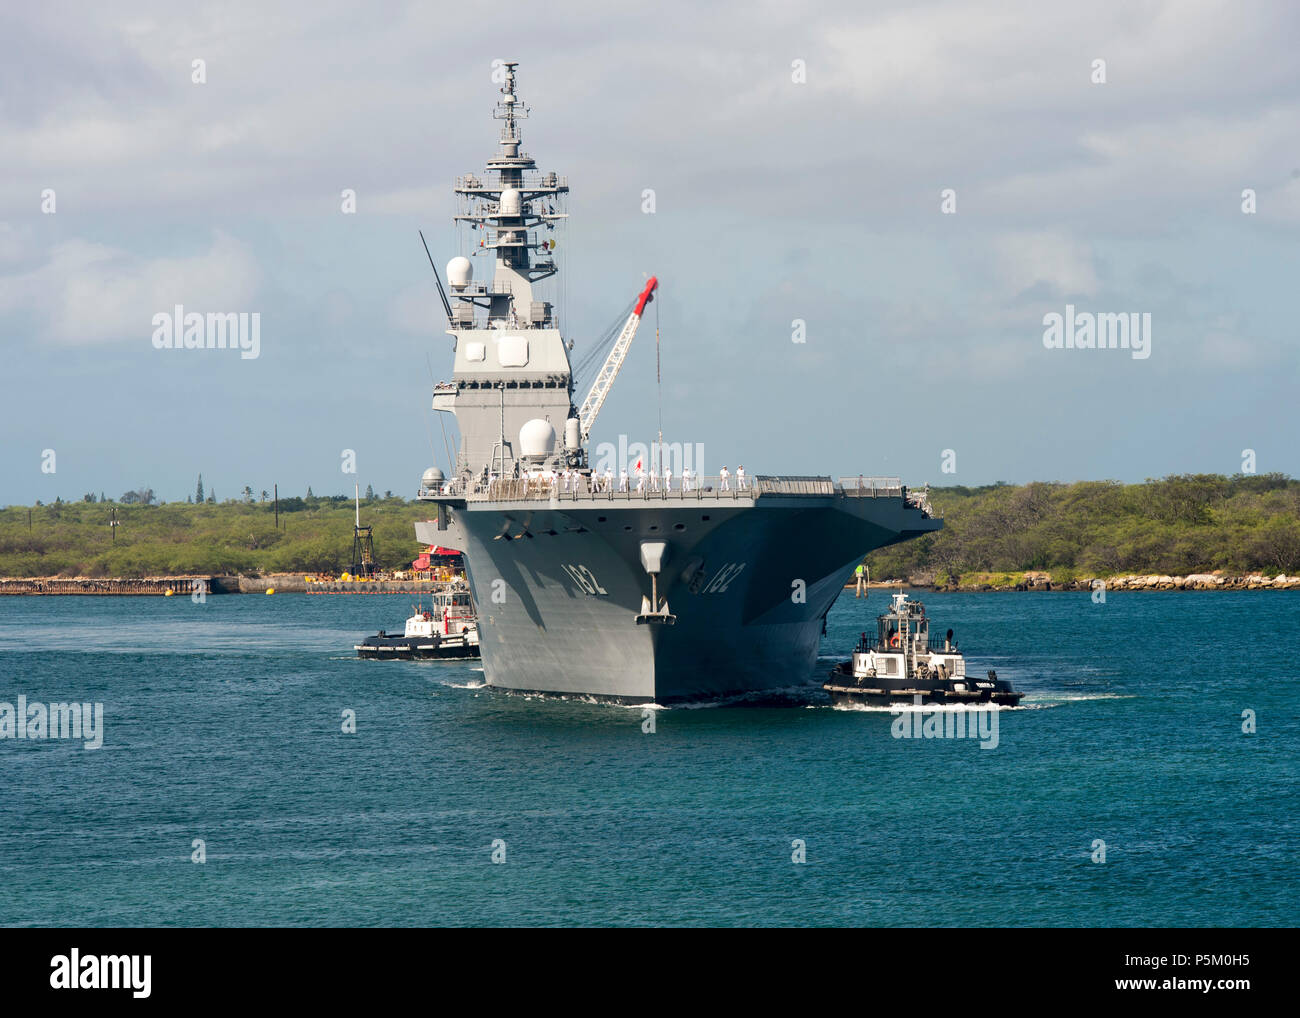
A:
609, 370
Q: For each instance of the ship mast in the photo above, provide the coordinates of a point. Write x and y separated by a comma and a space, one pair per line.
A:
512, 387
512, 218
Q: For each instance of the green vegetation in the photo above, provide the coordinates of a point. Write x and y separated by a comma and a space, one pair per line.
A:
1190, 523
1178, 525
75, 539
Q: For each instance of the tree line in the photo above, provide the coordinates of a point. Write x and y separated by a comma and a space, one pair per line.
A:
314, 534
1188, 523
1185, 523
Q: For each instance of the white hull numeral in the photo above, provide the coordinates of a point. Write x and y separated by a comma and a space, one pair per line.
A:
585, 579
723, 577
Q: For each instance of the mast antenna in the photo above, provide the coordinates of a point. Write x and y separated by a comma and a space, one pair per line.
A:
437, 278
363, 544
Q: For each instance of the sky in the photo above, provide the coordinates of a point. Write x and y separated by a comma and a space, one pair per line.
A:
1100, 156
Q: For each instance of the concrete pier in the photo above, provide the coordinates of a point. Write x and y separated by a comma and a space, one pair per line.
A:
156, 586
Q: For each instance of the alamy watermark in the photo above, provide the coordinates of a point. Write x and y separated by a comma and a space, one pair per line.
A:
1084, 330
75, 971
224, 330
940, 721
53, 721
653, 457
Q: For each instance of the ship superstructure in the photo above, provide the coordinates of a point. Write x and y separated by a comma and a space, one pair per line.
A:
512, 365
574, 569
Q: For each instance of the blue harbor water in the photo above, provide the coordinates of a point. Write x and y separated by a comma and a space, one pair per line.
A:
223, 722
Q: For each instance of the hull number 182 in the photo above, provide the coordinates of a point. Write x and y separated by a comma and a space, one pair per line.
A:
584, 578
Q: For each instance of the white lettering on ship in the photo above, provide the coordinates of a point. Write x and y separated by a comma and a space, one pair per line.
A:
585, 579
723, 577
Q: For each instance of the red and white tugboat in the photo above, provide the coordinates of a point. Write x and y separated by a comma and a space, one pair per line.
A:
448, 628
904, 661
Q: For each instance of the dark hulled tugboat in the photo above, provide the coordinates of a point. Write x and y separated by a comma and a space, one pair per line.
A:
903, 662
447, 629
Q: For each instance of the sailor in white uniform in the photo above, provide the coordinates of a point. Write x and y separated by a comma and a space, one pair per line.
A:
686, 479
726, 480
740, 477
668, 477
622, 479
609, 478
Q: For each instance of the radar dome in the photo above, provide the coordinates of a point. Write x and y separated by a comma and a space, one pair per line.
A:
536, 439
459, 272
431, 478
510, 202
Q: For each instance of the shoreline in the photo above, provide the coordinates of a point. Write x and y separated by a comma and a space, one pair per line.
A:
296, 583
187, 585
1043, 582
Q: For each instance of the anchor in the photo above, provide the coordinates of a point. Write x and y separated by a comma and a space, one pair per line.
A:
653, 555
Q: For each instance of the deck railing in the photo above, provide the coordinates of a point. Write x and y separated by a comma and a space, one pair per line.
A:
932, 644
650, 489
871, 487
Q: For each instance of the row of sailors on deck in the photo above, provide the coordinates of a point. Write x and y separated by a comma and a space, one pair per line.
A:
650, 481
575, 481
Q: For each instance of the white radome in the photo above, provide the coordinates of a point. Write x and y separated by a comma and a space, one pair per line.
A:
459, 272
511, 201
537, 439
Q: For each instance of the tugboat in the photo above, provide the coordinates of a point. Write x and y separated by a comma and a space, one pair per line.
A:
447, 629
903, 662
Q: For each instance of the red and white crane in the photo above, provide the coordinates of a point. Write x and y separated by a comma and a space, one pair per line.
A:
609, 370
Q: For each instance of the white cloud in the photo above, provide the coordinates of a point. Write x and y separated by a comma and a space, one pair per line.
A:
86, 292
13, 242
1125, 195
1223, 346
410, 201
416, 309
1055, 259
1282, 201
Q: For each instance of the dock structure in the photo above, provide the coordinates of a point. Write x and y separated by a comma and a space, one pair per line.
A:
161, 586
157, 586
296, 584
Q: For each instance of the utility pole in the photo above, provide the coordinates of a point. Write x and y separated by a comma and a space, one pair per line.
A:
277, 506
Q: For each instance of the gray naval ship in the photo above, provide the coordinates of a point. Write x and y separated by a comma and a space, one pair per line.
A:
638, 589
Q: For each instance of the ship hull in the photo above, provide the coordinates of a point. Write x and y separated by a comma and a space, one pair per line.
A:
881, 691
877, 697
561, 588
399, 648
